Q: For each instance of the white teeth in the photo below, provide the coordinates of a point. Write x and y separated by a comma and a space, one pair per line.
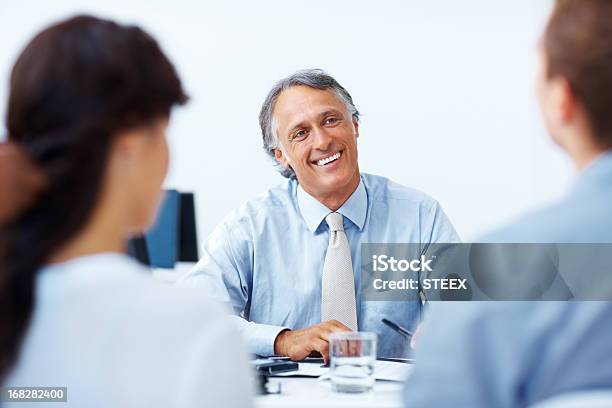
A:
323, 162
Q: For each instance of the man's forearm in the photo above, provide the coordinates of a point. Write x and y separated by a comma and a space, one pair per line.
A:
259, 337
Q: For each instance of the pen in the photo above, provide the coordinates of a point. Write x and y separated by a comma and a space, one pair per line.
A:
396, 327
397, 360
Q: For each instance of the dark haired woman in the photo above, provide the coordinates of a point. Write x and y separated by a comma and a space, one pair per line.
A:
90, 101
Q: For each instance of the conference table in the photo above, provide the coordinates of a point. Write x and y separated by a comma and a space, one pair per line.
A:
305, 389
310, 392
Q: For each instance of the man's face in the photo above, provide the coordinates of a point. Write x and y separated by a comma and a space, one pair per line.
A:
318, 138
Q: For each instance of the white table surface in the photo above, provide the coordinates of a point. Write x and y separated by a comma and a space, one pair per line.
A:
310, 392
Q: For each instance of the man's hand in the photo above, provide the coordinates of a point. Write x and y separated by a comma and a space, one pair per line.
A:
298, 344
20, 181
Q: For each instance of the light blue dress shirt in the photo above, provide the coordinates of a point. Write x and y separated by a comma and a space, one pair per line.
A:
266, 258
514, 354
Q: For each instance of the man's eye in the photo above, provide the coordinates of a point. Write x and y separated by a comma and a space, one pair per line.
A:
299, 134
330, 121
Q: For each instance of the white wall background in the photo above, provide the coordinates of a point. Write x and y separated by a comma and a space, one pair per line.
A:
445, 88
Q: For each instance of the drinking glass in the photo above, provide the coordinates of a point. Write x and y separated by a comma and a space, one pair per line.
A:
352, 358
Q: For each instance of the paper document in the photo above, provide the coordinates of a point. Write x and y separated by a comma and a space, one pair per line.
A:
392, 370
383, 370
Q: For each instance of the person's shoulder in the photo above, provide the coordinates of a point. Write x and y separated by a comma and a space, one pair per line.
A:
384, 189
564, 221
123, 290
152, 301
182, 303
280, 197
277, 196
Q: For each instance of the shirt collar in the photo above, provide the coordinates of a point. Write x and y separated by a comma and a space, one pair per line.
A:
313, 212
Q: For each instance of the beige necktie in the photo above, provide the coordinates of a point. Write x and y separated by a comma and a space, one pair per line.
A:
338, 286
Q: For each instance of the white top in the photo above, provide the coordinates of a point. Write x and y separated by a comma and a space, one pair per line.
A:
117, 338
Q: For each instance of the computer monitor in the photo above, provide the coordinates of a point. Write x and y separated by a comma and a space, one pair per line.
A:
173, 237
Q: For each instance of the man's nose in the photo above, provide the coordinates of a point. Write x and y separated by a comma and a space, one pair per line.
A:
321, 139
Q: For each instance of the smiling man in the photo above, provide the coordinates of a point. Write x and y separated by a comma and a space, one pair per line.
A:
289, 261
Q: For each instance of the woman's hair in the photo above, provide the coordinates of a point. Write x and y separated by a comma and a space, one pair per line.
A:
73, 88
578, 46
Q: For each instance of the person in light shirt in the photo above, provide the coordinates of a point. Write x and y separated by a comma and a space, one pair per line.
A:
289, 261
518, 354
89, 102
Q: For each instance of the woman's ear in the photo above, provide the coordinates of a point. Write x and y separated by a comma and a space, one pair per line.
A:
126, 144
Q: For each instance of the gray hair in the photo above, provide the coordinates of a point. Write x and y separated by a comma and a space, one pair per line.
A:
312, 78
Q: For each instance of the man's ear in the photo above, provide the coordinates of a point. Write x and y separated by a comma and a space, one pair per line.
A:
564, 99
356, 126
281, 158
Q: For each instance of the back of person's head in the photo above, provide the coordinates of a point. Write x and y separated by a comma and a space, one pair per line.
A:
76, 89
577, 45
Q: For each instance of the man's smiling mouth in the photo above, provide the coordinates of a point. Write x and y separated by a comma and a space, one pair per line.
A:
328, 159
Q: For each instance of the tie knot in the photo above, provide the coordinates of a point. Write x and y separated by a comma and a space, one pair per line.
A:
334, 220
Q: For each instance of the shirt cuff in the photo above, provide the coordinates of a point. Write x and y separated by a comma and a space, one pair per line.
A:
259, 337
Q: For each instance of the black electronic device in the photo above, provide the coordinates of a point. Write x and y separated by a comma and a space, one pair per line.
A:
271, 367
173, 238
